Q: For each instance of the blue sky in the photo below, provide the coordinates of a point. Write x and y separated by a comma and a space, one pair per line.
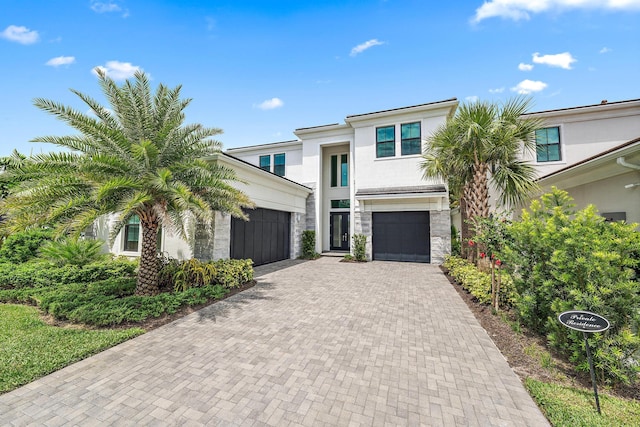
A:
260, 69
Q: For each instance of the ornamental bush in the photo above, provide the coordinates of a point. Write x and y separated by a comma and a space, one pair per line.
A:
23, 246
565, 260
41, 273
360, 247
309, 245
478, 283
193, 273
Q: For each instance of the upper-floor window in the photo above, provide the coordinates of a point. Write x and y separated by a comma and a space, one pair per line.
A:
278, 164
410, 139
339, 171
548, 144
265, 162
386, 141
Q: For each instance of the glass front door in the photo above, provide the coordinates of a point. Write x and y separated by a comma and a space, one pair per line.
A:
339, 230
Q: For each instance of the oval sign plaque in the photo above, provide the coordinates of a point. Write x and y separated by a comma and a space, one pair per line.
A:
584, 321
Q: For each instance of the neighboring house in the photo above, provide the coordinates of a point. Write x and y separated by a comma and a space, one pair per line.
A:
593, 153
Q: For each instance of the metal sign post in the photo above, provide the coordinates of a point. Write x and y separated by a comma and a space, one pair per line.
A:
586, 321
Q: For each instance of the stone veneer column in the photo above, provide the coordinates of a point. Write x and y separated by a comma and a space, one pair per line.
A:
310, 220
203, 241
298, 224
362, 225
440, 228
222, 236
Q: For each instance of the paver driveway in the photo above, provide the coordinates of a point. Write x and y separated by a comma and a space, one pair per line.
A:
317, 343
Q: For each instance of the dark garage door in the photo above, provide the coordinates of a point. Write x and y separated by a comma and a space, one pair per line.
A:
264, 238
401, 236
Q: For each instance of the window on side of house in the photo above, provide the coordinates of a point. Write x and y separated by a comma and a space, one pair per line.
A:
132, 234
278, 164
548, 145
410, 139
386, 141
265, 162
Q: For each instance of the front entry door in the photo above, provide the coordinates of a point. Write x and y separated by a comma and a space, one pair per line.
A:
339, 229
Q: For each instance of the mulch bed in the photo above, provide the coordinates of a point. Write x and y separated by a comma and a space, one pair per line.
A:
525, 364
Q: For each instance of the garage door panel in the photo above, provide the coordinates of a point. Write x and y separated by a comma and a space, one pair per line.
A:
401, 236
264, 238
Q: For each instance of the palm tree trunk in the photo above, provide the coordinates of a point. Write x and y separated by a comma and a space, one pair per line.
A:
147, 283
479, 192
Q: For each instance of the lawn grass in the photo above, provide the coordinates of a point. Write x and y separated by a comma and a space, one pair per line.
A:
30, 349
571, 407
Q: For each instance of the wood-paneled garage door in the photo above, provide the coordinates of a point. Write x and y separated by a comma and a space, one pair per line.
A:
401, 236
264, 238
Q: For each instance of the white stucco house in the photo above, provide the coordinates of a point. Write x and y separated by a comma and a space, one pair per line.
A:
593, 152
358, 177
363, 176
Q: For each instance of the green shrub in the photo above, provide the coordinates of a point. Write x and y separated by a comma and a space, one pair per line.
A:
183, 275
359, 247
562, 261
478, 283
20, 247
73, 251
309, 245
40, 274
108, 302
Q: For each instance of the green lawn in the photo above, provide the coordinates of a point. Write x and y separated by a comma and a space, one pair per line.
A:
30, 349
567, 406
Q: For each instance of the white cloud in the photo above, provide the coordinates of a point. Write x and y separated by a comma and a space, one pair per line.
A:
269, 104
364, 46
100, 7
525, 67
20, 34
562, 60
527, 86
472, 98
604, 50
61, 60
497, 90
118, 70
522, 9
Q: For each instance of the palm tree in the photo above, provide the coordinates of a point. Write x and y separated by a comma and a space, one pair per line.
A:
482, 145
136, 158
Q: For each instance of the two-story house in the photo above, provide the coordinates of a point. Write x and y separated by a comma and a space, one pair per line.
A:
359, 177
366, 179
593, 152
363, 177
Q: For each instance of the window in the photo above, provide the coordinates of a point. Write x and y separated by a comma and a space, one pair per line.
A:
278, 164
344, 170
548, 145
410, 139
340, 204
132, 234
265, 162
386, 141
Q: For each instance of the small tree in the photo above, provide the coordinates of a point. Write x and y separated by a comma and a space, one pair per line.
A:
136, 158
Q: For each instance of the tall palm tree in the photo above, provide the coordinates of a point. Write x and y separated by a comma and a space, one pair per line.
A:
483, 145
135, 158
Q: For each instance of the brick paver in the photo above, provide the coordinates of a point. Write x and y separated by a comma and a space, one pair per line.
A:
316, 343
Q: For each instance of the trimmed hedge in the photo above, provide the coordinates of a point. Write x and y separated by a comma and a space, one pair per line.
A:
42, 274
